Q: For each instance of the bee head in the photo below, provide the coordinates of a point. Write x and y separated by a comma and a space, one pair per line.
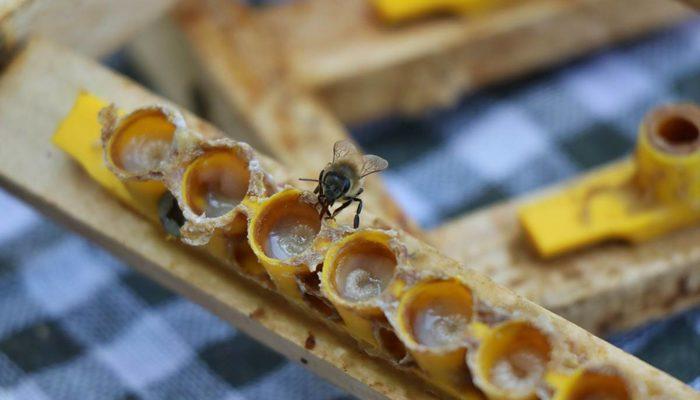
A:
335, 185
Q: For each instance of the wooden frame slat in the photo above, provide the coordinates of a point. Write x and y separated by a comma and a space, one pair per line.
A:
37, 89
605, 288
95, 27
363, 69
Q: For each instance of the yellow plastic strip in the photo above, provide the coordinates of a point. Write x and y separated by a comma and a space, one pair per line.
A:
79, 136
638, 199
591, 383
358, 314
395, 11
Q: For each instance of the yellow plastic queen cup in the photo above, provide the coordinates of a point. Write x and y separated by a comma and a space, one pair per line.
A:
356, 271
592, 383
137, 146
433, 322
511, 360
282, 233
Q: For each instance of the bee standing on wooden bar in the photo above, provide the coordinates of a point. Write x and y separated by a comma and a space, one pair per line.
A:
341, 179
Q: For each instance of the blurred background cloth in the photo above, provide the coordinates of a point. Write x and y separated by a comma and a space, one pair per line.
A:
75, 323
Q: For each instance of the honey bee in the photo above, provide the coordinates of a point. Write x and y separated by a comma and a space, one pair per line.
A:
341, 179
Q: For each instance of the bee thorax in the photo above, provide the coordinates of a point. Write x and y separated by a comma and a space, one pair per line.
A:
335, 185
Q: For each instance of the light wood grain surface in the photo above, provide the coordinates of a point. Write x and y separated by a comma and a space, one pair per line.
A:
363, 69
604, 288
37, 89
95, 27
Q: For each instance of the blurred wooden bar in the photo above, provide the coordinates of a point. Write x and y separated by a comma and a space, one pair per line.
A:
363, 69
95, 27
378, 70
605, 288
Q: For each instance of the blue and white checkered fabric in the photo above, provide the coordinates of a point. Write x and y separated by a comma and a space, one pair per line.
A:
75, 323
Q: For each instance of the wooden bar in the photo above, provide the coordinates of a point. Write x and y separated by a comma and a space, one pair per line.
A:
37, 89
363, 69
95, 27
39, 173
605, 288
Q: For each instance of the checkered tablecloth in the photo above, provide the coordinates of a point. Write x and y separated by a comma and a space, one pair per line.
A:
75, 323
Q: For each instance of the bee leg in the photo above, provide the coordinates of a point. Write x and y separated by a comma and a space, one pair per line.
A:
323, 206
341, 208
326, 211
356, 223
319, 188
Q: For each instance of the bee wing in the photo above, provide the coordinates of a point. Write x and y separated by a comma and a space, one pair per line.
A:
372, 164
345, 150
